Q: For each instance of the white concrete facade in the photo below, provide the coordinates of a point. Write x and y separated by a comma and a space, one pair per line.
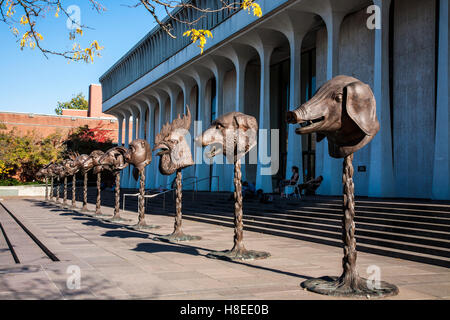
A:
238, 72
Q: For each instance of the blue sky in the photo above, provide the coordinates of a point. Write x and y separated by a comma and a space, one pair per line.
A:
31, 83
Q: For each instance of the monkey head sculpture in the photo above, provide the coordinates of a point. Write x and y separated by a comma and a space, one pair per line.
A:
139, 155
174, 151
114, 159
233, 134
344, 111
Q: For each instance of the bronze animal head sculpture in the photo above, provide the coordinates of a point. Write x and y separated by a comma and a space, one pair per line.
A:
174, 151
233, 134
94, 160
79, 163
114, 159
344, 111
139, 155
43, 172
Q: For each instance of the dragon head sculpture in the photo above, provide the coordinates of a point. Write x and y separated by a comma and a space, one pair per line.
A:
233, 134
174, 151
139, 155
344, 111
114, 159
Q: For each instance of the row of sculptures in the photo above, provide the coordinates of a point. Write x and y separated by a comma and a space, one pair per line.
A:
343, 111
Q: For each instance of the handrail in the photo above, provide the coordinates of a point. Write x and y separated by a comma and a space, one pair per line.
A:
169, 190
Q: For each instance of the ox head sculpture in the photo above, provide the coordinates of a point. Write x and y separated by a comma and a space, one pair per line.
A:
344, 111
174, 151
233, 134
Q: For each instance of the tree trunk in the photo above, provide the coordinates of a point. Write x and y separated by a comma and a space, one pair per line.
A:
99, 186
84, 208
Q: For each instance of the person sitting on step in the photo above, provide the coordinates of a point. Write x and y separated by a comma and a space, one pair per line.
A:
291, 182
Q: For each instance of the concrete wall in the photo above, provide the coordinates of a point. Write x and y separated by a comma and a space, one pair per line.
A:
414, 96
356, 56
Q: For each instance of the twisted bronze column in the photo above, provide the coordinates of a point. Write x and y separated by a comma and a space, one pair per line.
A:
238, 252
65, 192
141, 205
116, 216
57, 190
74, 188
178, 204
98, 202
178, 234
238, 225
349, 283
85, 182
52, 190
46, 188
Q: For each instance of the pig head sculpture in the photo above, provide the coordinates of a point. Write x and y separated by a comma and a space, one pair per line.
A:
233, 134
344, 111
139, 155
174, 151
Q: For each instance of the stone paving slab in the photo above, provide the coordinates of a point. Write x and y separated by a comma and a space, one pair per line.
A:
119, 263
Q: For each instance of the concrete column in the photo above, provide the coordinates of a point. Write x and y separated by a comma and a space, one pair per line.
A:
381, 172
120, 123
160, 180
132, 183
332, 168
218, 168
294, 154
149, 177
141, 108
201, 168
264, 181
441, 169
124, 179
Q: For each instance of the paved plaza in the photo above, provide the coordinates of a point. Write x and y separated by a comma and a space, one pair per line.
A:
117, 262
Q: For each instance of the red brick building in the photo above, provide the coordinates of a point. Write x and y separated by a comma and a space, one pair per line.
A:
44, 125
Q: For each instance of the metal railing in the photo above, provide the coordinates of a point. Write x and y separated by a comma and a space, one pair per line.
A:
157, 46
149, 196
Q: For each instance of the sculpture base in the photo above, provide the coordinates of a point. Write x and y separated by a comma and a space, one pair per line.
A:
177, 237
119, 219
334, 286
101, 215
238, 255
144, 227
